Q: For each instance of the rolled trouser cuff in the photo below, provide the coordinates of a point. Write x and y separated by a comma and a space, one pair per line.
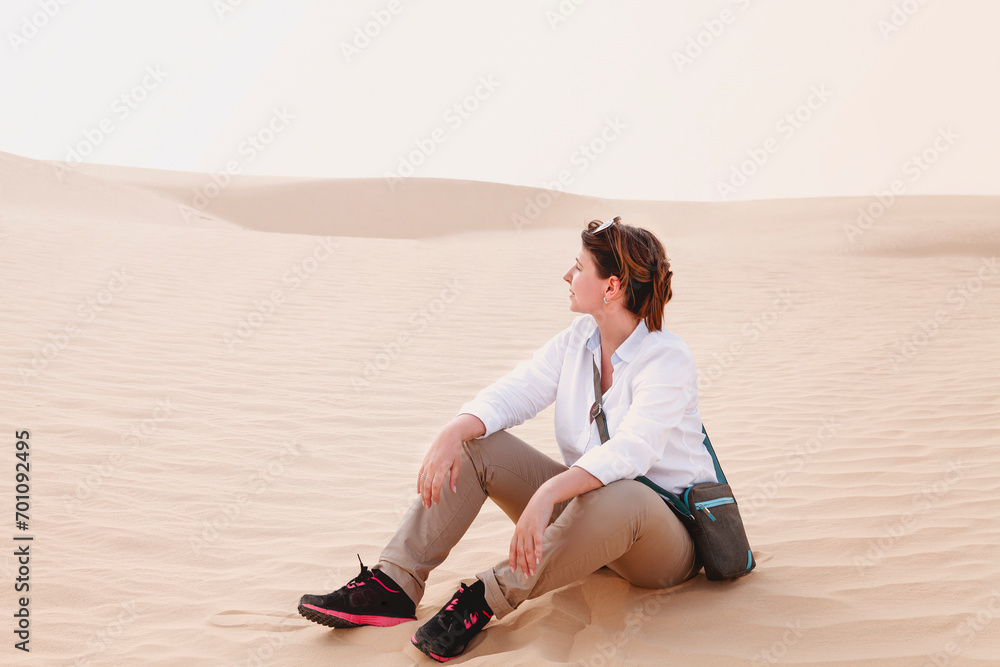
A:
494, 595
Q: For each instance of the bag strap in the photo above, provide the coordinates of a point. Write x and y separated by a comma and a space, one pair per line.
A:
715, 459
597, 413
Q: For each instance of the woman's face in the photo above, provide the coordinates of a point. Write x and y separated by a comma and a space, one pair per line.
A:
586, 289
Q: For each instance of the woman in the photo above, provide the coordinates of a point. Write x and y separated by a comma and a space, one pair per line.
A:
575, 516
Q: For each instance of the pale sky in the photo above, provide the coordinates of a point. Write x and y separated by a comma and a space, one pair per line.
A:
841, 97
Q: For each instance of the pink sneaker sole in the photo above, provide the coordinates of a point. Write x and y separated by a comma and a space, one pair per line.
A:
413, 640
339, 619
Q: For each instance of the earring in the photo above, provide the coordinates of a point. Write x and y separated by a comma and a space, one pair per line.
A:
606, 300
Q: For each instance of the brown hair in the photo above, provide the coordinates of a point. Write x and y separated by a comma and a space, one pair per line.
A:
637, 257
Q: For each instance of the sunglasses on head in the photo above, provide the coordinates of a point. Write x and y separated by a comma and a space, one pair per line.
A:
607, 224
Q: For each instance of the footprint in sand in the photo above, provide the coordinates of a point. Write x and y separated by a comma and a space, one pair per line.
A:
267, 621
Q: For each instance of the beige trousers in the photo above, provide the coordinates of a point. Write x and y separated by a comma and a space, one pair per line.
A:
623, 525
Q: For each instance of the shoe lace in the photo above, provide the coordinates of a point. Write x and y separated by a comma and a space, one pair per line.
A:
461, 610
363, 576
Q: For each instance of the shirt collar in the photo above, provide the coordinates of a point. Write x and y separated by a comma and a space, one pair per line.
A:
627, 350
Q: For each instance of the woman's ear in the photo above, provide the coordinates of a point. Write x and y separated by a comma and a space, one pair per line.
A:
614, 284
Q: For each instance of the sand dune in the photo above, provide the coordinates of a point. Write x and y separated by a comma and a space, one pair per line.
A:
222, 415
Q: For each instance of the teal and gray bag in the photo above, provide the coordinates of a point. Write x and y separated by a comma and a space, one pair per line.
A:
708, 510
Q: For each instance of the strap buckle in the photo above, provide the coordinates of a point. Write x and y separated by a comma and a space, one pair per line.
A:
595, 410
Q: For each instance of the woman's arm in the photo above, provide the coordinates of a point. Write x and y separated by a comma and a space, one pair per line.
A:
444, 457
664, 389
526, 545
526, 390
467, 426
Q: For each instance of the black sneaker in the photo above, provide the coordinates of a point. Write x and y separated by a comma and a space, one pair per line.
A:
448, 634
371, 598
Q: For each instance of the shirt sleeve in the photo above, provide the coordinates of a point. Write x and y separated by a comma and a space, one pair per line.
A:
662, 392
523, 392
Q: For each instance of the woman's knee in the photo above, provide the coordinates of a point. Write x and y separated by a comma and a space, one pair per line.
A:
662, 553
622, 500
472, 461
475, 448
626, 494
481, 452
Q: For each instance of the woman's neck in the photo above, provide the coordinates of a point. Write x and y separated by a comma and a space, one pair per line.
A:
615, 329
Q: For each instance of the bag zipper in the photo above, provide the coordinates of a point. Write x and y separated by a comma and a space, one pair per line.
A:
715, 502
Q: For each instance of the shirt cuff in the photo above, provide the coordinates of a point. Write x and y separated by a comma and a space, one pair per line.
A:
486, 415
604, 464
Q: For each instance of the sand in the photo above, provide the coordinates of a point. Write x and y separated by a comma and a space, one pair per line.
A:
227, 402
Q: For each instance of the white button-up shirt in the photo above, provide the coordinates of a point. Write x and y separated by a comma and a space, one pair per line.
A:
654, 425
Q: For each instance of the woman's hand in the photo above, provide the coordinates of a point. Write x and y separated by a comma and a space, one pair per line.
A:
444, 457
526, 545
